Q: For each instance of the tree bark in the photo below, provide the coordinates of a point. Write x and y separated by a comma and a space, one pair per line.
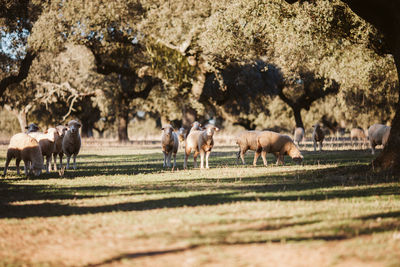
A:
87, 130
122, 122
297, 117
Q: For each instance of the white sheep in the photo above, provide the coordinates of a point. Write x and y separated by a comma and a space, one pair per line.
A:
378, 134
32, 127
71, 143
201, 142
169, 145
279, 145
26, 148
317, 136
47, 143
298, 135
61, 130
247, 141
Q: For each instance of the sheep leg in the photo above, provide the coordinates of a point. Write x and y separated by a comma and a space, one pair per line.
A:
174, 160
27, 166
256, 156
264, 157
243, 151
202, 152
17, 161
74, 161
68, 158
196, 153
61, 157
320, 146
169, 159
187, 153
6, 167
165, 159
48, 163
238, 155
55, 162
315, 146
207, 155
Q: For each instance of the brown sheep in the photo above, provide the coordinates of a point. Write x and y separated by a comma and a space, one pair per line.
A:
61, 130
378, 135
247, 141
317, 136
169, 145
298, 135
201, 142
71, 143
47, 144
25, 147
279, 145
358, 134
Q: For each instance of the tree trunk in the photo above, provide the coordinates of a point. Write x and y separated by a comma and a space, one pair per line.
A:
87, 130
188, 117
297, 117
389, 158
123, 128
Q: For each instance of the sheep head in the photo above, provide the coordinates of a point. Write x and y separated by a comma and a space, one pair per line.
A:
73, 126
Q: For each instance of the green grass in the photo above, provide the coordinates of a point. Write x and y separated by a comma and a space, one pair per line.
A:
122, 208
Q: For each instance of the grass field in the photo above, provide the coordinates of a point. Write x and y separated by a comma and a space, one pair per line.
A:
120, 208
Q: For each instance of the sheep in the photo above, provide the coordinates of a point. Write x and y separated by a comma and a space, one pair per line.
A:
378, 135
358, 134
279, 145
317, 136
22, 146
61, 130
181, 134
169, 145
298, 135
201, 142
247, 140
32, 128
47, 143
71, 143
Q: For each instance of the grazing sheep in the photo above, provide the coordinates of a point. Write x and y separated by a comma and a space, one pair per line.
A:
201, 142
247, 141
358, 134
169, 145
47, 143
279, 145
71, 143
317, 136
25, 147
61, 130
298, 135
32, 128
378, 135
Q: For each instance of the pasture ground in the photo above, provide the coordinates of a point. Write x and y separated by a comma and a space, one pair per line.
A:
121, 208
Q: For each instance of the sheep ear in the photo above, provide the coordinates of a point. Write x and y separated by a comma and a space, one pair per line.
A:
162, 129
46, 132
216, 129
79, 125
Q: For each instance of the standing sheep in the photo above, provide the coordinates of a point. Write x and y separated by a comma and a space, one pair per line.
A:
279, 145
25, 147
47, 143
378, 135
32, 127
247, 141
317, 136
358, 134
169, 145
61, 130
201, 142
71, 143
298, 135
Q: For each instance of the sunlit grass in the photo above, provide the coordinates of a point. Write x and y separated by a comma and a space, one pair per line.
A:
121, 207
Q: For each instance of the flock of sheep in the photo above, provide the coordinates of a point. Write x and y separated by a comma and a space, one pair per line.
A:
33, 146
200, 140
